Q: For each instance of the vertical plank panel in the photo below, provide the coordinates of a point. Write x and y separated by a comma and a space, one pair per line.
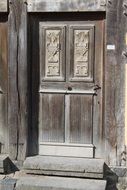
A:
34, 74
81, 119
67, 118
52, 118
98, 112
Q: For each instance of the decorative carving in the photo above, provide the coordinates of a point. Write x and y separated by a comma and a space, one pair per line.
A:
52, 52
81, 53
103, 3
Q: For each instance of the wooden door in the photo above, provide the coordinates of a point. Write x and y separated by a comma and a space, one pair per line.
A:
70, 87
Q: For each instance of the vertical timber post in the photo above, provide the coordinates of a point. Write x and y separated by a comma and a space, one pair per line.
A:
124, 54
121, 33
115, 85
17, 88
3, 76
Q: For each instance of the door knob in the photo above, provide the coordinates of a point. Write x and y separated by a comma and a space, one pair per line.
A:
69, 88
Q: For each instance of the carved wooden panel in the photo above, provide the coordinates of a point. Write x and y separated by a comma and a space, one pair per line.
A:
81, 52
82, 49
3, 6
52, 52
52, 58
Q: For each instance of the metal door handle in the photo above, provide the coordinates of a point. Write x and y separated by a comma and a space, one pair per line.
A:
1, 91
97, 87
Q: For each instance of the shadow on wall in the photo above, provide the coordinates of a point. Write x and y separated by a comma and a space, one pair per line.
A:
7, 166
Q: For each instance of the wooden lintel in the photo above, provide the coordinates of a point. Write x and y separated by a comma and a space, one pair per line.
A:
66, 5
3, 6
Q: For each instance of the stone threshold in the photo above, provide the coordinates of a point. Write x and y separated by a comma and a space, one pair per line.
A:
65, 166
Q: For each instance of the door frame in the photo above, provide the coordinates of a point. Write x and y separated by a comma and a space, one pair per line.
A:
114, 74
34, 23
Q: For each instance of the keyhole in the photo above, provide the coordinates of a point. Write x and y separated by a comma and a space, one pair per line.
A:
69, 88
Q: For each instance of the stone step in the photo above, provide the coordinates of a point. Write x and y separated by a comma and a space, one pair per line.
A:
7, 183
65, 166
59, 183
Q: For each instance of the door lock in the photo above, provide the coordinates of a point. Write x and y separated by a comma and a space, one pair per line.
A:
97, 87
69, 88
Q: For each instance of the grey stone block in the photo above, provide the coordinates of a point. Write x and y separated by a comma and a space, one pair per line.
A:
65, 166
7, 184
120, 171
59, 183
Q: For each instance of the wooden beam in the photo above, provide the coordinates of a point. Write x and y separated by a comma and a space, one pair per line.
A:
3, 6
126, 104
17, 93
66, 5
124, 53
115, 84
120, 85
12, 82
22, 83
3, 84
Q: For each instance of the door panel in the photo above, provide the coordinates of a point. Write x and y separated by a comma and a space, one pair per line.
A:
81, 119
52, 52
66, 106
70, 83
52, 118
81, 52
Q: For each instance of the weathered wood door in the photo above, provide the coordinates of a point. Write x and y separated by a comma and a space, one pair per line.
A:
70, 86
